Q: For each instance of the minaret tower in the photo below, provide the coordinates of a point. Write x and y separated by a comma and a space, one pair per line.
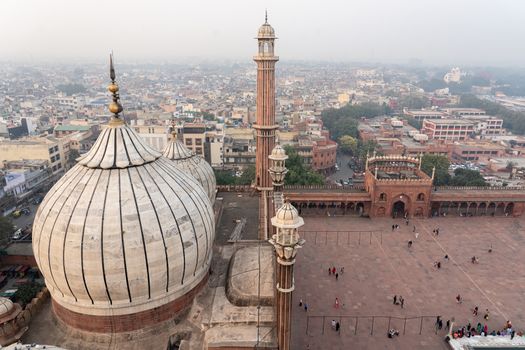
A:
286, 242
265, 126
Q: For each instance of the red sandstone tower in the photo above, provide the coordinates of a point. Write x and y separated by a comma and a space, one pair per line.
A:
265, 126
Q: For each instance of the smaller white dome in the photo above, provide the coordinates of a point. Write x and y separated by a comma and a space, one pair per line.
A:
278, 153
266, 31
287, 217
6, 306
192, 165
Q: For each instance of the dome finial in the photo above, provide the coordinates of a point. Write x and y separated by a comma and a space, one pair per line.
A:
114, 107
265, 16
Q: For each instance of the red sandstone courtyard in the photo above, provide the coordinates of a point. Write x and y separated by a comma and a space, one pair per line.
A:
378, 265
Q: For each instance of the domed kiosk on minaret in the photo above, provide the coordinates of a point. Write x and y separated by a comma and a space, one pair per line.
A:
123, 239
192, 164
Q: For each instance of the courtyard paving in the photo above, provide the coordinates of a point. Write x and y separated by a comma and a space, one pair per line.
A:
378, 265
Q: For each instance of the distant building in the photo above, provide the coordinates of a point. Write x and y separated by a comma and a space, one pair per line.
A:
460, 112
475, 151
52, 149
448, 129
454, 76
154, 135
24, 177
239, 147
422, 114
486, 126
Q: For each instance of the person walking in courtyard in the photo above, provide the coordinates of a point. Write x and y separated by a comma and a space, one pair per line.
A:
336, 303
402, 301
486, 316
409, 244
475, 312
336, 276
458, 299
300, 302
333, 270
448, 324
337, 327
342, 270
329, 271
305, 307
395, 299
333, 324
414, 229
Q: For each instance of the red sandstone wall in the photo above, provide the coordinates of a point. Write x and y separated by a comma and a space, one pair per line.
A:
18, 260
126, 323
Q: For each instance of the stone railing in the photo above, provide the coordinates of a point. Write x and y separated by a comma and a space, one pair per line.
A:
324, 187
248, 188
405, 181
477, 188
234, 188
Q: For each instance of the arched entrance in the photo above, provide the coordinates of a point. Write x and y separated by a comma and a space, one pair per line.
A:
398, 209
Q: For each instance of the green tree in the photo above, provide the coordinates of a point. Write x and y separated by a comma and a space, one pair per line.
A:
26, 292
72, 158
413, 102
224, 177
344, 120
467, 177
71, 89
441, 163
348, 144
247, 177
364, 148
6, 228
298, 173
413, 122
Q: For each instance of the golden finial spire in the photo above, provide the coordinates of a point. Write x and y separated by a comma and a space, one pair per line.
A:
265, 16
114, 107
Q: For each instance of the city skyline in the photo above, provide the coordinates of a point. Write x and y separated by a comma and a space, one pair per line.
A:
434, 32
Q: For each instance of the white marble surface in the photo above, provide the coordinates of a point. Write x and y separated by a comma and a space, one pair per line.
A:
193, 165
125, 230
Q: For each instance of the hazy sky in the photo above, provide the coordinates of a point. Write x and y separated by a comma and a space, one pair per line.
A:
435, 31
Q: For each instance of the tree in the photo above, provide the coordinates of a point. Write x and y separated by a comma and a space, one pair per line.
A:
26, 292
6, 228
413, 122
364, 148
71, 89
224, 177
348, 144
298, 173
247, 177
441, 163
73, 155
344, 120
467, 177
510, 165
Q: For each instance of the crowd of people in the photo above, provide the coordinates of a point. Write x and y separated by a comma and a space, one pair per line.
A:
482, 329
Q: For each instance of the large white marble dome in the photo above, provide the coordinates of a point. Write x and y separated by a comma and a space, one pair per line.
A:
124, 231
193, 165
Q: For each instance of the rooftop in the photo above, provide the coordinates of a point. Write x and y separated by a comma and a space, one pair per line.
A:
450, 121
70, 127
